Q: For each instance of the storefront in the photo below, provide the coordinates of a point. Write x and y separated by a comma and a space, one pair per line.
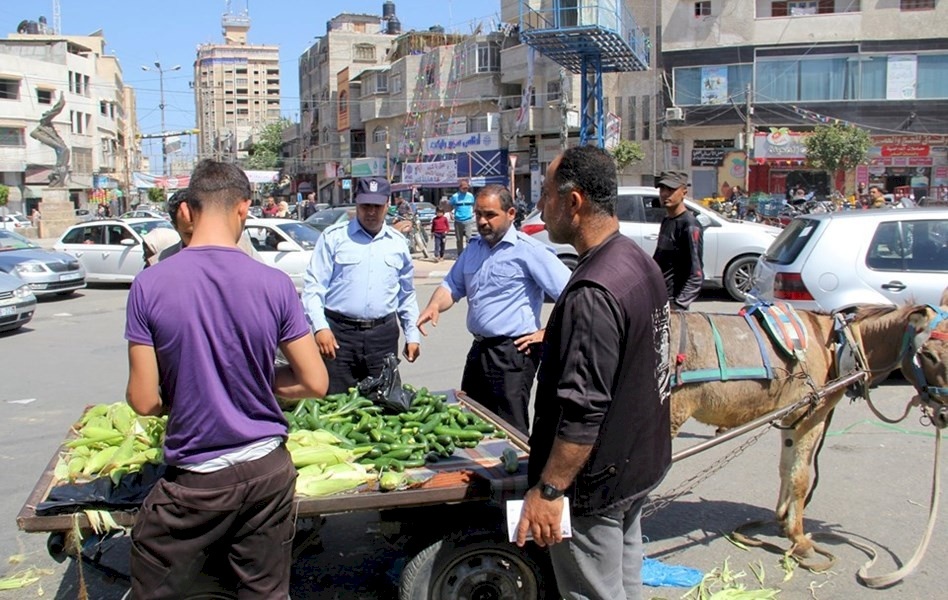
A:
780, 166
915, 165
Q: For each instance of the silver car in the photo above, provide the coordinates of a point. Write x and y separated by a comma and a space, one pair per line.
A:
834, 261
731, 248
17, 303
46, 272
110, 250
284, 244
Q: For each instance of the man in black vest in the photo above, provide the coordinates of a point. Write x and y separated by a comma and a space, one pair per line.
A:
601, 432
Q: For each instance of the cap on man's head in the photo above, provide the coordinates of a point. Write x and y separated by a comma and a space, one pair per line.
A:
673, 179
372, 190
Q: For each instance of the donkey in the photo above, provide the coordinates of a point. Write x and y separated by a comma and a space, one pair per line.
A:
890, 337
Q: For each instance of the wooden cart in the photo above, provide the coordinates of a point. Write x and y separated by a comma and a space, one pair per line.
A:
452, 526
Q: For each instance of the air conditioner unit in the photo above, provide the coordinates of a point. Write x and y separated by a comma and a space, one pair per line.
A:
674, 114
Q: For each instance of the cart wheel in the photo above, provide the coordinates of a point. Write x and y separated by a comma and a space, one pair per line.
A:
481, 570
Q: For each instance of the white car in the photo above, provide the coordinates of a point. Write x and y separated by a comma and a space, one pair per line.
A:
731, 248
14, 222
284, 244
834, 261
109, 250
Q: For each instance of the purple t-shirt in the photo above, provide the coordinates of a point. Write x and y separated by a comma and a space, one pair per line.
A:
215, 317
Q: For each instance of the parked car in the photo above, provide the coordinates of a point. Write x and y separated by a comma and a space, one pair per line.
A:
284, 244
17, 303
83, 215
47, 272
110, 250
321, 219
14, 222
834, 261
731, 248
146, 214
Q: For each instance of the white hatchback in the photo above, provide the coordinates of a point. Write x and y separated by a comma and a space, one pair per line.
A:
834, 261
110, 250
731, 248
283, 244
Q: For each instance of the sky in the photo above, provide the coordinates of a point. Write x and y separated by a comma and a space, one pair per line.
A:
169, 31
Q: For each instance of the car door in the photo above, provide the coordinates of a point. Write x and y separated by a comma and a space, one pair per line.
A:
907, 260
630, 212
124, 257
88, 244
265, 240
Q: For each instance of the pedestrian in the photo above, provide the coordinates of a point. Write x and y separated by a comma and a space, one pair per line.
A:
876, 197
504, 274
310, 206
36, 217
601, 434
439, 231
203, 329
680, 248
283, 210
270, 208
740, 202
357, 289
462, 205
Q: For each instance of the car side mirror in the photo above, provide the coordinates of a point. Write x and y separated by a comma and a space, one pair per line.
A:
285, 246
128, 242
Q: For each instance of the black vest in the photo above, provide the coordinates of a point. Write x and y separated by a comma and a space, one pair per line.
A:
633, 450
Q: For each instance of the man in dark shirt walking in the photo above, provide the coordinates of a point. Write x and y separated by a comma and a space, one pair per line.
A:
680, 248
601, 434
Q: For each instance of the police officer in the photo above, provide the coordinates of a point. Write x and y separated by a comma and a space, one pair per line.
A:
359, 285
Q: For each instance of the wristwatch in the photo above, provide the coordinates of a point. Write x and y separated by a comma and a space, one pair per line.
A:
548, 491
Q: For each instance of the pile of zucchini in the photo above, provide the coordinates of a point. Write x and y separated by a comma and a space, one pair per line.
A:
429, 431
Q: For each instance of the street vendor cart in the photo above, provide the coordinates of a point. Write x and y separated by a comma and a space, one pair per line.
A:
450, 524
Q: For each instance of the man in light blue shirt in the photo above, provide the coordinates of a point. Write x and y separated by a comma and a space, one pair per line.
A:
504, 274
359, 285
462, 203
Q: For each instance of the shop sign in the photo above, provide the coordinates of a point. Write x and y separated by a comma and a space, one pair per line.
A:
442, 171
905, 150
708, 157
368, 167
779, 144
473, 142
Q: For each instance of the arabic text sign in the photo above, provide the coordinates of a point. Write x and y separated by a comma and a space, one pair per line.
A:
468, 142
442, 171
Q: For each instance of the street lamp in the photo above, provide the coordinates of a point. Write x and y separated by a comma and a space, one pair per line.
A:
388, 157
161, 107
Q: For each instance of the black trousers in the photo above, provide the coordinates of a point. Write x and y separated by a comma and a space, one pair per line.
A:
230, 530
361, 350
500, 377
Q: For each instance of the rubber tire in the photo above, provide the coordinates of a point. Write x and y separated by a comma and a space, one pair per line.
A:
65, 294
740, 271
428, 576
571, 261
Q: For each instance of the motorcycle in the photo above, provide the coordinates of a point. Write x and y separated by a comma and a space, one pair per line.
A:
413, 231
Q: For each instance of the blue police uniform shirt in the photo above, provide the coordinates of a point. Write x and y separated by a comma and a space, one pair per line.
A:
505, 285
463, 206
361, 276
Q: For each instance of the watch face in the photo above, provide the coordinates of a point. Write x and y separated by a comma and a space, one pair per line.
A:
550, 492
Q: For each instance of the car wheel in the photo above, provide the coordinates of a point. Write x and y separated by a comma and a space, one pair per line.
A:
738, 276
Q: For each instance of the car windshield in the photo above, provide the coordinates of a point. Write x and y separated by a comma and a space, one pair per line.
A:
324, 218
303, 234
14, 241
146, 226
424, 206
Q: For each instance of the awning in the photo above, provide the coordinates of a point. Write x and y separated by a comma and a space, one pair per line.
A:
305, 187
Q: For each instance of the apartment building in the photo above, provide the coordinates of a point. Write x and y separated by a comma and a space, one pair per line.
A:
236, 90
96, 123
878, 64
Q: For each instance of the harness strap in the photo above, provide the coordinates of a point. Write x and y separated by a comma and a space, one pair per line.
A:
682, 348
718, 349
764, 355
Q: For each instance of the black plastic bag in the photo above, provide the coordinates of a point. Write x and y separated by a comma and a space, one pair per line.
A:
386, 389
101, 493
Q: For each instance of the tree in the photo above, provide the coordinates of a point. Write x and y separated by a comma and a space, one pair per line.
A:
266, 153
4, 195
156, 195
837, 146
627, 153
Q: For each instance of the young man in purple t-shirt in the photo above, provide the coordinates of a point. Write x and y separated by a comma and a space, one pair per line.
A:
203, 327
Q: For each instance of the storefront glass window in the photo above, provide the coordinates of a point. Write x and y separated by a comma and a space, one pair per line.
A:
932, 79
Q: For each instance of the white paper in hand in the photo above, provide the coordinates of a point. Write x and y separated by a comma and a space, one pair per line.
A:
514, 507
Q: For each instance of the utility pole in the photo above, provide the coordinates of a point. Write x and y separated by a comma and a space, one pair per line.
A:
748, 136
161, 107
564, 110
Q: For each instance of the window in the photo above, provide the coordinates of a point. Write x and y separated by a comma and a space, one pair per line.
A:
363, 53
82, 160
395, 79
9, 89
11, 136
104, 108
441, 126
703, 9
488, 58
90, 234
430, 75
917, 4
381, 83
44, 96
479, 124
646, 117
553, 91
379, 135
796, 8
713, 84
631, 119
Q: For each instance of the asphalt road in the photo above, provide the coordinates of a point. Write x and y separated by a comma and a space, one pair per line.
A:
875, 479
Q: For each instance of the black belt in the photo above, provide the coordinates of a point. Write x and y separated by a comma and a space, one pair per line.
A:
359, 323
495, 340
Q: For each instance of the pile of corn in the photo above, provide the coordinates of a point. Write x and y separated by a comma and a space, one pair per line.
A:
111, 440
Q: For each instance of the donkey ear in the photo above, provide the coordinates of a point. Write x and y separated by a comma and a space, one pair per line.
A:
944, 298
918, 321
